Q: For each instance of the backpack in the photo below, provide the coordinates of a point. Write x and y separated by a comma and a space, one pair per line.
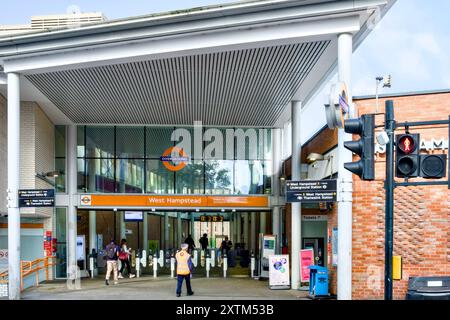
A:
111, 252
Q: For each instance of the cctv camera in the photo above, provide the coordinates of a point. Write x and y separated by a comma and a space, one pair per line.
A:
383, 138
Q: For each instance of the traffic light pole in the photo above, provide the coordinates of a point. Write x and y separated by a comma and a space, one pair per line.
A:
389, 186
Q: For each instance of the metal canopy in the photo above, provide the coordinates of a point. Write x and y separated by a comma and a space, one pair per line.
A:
235, 88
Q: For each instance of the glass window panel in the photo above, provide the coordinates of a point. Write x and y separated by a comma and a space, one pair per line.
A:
60, 141
252, 177
80, 141
219, 145
249, 144
159, 179
130, 175
61, 244
130, 142
60, 180
190, 179
99, 142
158, 141
268, 144
81, 178
100, 175
219, 177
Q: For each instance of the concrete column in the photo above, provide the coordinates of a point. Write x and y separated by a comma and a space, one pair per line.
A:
276, 170
166, 230
253, 232
179, 231
345, 183
239, 228
123, 230
262, 222
193, 226
296, 220
247, 245
13, 185
72, 210
145, 232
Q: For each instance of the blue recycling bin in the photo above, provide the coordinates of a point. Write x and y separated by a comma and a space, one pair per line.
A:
318, 281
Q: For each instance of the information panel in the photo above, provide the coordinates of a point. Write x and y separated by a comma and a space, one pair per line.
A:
279, 271
36, 198
311, 191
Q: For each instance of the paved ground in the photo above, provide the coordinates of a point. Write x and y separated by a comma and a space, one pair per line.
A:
163, 288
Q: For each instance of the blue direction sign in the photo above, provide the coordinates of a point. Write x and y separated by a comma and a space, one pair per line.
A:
36, 198
311, 191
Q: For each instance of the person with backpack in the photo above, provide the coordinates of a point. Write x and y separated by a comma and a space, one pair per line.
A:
124, 257
184, 269
112, 254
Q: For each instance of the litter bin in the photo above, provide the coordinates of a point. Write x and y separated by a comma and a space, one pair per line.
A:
428, 288
318, 281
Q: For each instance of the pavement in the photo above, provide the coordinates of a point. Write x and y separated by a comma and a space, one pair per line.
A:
162, 288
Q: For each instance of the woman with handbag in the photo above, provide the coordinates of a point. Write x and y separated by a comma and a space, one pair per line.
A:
124, 257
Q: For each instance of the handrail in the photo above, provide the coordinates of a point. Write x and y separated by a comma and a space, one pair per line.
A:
27, 268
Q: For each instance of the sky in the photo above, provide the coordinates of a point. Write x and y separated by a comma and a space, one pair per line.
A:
411, 42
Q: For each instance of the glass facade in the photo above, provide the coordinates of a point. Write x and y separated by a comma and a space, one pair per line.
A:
141, 159
60, 158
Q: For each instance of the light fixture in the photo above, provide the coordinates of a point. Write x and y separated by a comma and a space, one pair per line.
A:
223, 210
234, 210
198, 210
52, 174
387, 83
314, 157
153, 209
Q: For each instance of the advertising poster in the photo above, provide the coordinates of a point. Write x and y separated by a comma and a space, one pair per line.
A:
306, 260
269, 246
279, 270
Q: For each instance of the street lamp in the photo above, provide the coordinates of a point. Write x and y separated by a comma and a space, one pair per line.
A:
386, 84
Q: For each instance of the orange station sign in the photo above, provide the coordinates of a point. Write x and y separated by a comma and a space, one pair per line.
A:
154, 201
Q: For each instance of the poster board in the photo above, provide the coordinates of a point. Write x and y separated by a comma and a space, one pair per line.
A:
306, 260
279, 272
81, 247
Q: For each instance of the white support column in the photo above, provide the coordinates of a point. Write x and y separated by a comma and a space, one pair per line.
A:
13, 185
72, 273
345, 184
232, 227
193, 226
246, 230
92, 231
253, 232
262, 222
166, 230
239, 228
179, 231
296, 211
145, 232
276, 169
123, 230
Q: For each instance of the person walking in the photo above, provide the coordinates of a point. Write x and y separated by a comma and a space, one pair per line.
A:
204, 241
226, 245
112, 254
184, 269
190, 242
124, 257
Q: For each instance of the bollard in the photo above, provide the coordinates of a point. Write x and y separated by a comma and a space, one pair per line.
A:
194, 258
138, 264
213, 258
208, 265
91, 265
252, 265
225, 265
155, 266
172, 267
202, 258
161, 258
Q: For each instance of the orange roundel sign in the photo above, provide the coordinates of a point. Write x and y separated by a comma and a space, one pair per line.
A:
166, 158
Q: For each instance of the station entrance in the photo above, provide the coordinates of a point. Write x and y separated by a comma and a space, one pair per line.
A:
155, 236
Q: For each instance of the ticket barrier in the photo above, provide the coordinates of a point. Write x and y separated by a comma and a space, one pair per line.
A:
172, 266
252, 265
93, 264
225, 265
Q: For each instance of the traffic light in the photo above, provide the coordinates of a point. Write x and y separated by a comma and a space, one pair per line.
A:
364, 148
433, 166
407, 156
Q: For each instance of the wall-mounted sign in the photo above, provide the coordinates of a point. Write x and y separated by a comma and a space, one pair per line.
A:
156, 201
36, 198
316, 217
311, 191
338, 107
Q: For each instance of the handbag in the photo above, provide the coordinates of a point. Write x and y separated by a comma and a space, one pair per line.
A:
123, 255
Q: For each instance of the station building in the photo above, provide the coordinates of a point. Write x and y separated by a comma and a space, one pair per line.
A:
96, 113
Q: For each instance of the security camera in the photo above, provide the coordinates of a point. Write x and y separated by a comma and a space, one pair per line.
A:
383, 138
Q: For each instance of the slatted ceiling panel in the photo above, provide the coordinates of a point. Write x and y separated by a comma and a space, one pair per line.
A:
236, 88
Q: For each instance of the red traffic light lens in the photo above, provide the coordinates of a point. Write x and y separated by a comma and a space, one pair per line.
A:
407, 144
